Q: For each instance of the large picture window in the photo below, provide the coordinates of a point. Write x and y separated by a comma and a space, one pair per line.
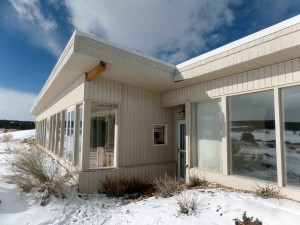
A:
102, 149
291, 133
252, 135
207, 135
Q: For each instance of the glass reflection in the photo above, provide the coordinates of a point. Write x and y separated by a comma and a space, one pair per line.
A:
207, 135
252, 135
291, 133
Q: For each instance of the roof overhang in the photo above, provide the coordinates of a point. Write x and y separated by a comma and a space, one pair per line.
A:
275, 44
83, 52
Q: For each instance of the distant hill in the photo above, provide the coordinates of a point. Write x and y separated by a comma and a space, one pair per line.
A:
18, 125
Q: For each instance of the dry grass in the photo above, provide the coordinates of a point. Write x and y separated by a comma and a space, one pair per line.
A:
121, 187
166, 186
247, 221
6, 137
30, 141
268, 191
34, 170
186, 203
195, 181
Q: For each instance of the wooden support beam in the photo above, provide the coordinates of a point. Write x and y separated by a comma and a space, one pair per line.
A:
98, 69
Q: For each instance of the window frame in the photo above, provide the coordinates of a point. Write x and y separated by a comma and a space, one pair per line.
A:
229, 150
165, 134
115, 109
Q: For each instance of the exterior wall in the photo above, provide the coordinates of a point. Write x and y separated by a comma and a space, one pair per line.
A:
73, 95
263, 78
256, 53
89, 182
103, 91
271, 77
138, 109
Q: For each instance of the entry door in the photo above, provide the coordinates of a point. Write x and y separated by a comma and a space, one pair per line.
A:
181, 149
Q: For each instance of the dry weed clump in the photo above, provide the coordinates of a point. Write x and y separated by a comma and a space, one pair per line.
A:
247, 221
195, 181
30, 141
121, 187
186, 203
268, 191
166, 186
6, 137
34, 170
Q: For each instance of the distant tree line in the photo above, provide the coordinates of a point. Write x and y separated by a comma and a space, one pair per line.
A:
18, 125
255, 124
264, 124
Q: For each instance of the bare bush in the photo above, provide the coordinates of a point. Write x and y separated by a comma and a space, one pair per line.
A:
166, 186
186, 203
268, 191
6, 137
195, 181
247, 221
121, 187
34, 170
29, 141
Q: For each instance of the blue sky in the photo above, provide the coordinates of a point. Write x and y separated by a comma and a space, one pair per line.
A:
35, 32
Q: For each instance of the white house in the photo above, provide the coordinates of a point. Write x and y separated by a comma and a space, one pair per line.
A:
231, 115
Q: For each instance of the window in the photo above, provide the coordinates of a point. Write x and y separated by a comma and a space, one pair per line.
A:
48, 133
291, 133
252, 135
102, 143
53, 134
159, 134
65, 127
207, 135
70, 122
59, 134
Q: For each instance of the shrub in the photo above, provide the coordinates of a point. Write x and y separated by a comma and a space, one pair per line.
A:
29, 141
34, 170
248, 137
121, 187
268, 191
6, 137
166, 186
196, 181
187, 203
247, 221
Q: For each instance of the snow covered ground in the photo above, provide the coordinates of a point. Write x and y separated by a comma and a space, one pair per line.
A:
214, 206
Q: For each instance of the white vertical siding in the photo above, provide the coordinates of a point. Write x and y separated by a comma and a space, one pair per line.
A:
90, 181
138, 110
256, 53
271, 76
103, 90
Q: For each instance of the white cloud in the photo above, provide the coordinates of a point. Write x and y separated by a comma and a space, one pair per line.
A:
15, 105
170, 30
33, 22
